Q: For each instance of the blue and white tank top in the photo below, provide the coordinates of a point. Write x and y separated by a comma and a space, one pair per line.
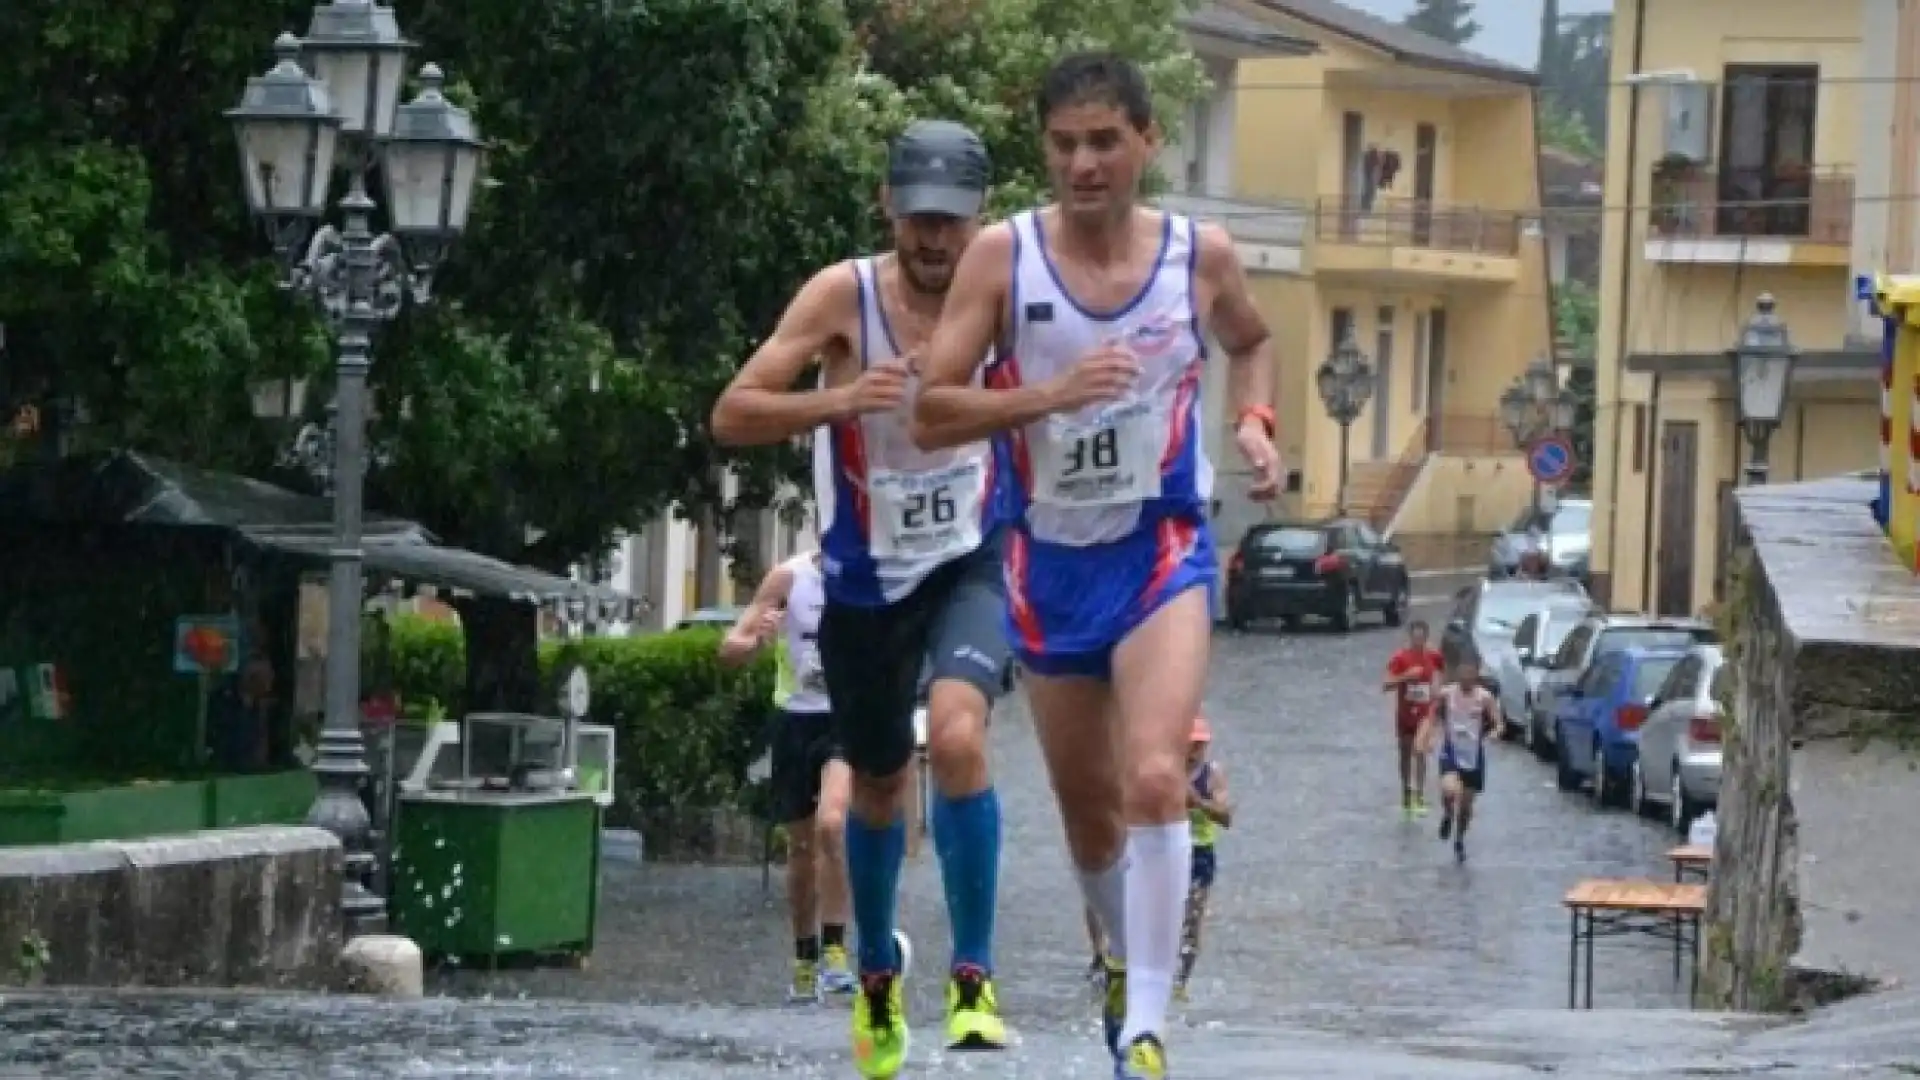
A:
1107, 471
1464, 713
891, 513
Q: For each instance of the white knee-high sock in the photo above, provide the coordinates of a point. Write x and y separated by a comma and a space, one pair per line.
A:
1158, 868
1106, 893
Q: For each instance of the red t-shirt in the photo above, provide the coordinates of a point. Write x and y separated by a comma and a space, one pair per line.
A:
1414, 699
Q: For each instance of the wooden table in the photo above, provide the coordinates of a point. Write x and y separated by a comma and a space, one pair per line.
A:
1691, 862
1612, 908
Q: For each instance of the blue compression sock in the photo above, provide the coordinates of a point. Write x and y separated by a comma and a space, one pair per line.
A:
966, 834
875, 854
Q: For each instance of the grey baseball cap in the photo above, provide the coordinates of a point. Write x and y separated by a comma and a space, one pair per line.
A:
937, 167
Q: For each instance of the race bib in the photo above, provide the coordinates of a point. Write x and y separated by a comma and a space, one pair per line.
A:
808, 672
1466, 744
1419, 693
1112, 461
927, 515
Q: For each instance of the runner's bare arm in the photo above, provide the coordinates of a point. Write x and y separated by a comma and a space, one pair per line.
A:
748, 633
761, 407
950, 410
1219, 806
1237, 323
1495, 720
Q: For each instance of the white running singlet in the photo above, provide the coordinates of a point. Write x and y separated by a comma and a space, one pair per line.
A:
805, 600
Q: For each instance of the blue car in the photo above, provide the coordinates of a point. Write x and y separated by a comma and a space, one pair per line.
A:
1597, 720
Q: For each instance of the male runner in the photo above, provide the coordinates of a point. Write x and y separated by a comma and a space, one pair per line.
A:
1413, 673
1468, 712
811, 783
1209, 809
912, 544
1096, 305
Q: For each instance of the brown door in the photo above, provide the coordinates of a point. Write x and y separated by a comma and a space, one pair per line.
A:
1436, 373
1426, 145
1679, 477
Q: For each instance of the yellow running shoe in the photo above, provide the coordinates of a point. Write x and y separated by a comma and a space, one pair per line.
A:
880, 1036
973, 1012
836, 971
805, 989
1146, 1060
1113, 1006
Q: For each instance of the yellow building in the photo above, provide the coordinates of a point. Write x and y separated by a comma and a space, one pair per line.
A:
1407, 168
1733, 153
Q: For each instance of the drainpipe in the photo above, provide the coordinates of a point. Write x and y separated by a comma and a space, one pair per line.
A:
1624, 322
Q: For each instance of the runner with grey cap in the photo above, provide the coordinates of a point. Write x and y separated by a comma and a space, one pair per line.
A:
911, 545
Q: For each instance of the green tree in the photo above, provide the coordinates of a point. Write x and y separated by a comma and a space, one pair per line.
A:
1449, 20
1576, 322
1563, 130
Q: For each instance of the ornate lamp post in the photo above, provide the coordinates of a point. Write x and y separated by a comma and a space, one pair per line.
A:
1762, 361
1345, 382
290, 125
1534, 406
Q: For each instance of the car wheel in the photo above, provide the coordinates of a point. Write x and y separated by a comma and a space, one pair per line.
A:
1605, 790
1641, 804
1237, 618
1537, 739
1290, 622
1563, 775
1345, 619
1396, 609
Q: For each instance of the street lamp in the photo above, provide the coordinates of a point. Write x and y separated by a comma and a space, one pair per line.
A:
290, 125
1345, 382
1762, 362
1535, 406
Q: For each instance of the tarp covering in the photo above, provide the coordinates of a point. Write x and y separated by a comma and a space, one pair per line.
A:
124, 488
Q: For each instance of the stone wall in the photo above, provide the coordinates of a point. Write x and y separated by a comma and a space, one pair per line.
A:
232, 907
1816, 824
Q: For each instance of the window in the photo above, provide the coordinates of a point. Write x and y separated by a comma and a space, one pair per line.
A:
1571, 520
1649, 674
1680, 681
1600, 678
1639, 439
1574, 649
1529, 629
1422, 328
1765, 186
1339, 325
1293, 542
1368, 538
1720, 687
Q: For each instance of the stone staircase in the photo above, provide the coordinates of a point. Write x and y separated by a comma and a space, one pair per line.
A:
1375, 489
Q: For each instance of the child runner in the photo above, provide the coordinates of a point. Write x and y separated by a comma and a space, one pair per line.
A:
1208, 811
1468, 713
1412, 675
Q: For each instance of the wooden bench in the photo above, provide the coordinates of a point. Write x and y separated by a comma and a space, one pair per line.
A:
1612, 908
1691, 862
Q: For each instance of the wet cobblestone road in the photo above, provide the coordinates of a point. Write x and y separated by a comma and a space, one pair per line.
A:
1343, 942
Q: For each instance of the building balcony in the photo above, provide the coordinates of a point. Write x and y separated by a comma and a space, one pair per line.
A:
1775, 216
1269, 235
1416, 241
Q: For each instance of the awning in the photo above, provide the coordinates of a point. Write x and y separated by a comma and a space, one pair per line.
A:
410, 558
1814, 365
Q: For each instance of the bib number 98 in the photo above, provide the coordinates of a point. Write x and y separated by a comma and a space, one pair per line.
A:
928, 507
1100, 450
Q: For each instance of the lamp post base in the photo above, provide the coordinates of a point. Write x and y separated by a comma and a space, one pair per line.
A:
339, 809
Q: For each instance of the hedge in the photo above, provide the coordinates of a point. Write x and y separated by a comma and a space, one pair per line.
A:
686, 728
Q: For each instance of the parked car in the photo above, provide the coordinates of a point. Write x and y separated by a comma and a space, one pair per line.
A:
1600, 718
1564, 532
1484, 618
1534, 640
1678, 770
1331, 569
1594, 636
719, 617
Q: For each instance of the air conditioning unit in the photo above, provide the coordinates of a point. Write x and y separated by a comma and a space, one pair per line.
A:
1688, 131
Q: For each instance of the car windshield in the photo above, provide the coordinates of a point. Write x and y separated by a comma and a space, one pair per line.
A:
1291, 541
1502, 609
1559, 626
1652, 637
1649, 674
1572, 521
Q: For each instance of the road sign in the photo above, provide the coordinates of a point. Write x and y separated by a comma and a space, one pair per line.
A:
1550, 459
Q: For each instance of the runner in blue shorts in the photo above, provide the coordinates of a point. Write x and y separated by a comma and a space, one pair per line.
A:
1096, 311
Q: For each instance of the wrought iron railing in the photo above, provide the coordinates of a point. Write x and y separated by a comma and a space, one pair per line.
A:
1785, 202
1417, 223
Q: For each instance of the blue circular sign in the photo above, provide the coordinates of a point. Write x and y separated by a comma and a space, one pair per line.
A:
1550, 459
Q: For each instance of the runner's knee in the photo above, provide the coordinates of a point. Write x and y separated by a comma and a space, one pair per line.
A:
1156, 779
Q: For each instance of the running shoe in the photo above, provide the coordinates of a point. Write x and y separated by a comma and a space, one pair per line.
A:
805, 988
880, 1036
1113, 1005
973, 1012
1459, 851
1420, 806
1146, 1060
836, 971
1446, 826
1180, 993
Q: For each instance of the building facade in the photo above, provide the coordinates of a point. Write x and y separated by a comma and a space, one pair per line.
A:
1734, 168
1412, 166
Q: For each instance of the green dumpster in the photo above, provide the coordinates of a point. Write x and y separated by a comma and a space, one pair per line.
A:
488, 874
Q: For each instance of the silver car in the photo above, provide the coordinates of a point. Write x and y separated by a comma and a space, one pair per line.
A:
1678, 770
1534, 640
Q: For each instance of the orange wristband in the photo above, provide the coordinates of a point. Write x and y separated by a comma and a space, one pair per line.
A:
1262, 413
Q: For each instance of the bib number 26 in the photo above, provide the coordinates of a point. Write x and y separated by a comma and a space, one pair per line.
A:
1100, 451
928, 508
